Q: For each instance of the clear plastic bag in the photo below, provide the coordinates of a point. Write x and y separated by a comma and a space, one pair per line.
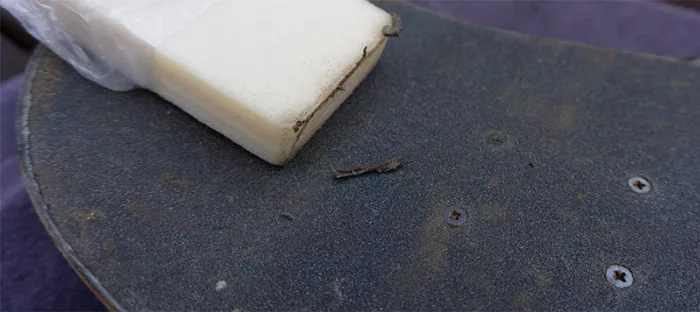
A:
110, 42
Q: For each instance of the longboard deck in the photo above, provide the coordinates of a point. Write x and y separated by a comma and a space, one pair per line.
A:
533, 139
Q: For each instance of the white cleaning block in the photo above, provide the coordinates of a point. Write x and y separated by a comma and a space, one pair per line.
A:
265, 73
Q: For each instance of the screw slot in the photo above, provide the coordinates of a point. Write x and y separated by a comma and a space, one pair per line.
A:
639, 185
455, 216
498, 140
619, 276
495, 139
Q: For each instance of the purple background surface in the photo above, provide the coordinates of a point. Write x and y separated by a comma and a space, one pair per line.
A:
641, 26
35, 277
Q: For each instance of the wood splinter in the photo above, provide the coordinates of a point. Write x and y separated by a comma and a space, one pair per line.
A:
388, 166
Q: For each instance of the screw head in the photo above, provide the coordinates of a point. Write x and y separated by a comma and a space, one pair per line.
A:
619, 276
639, 185
455, 216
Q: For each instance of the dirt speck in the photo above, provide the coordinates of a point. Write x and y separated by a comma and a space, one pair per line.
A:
583, 161
84, 218
566, 119
220, 285
543, 278
493, 182
288, 216
494, 211
135, 208
677, 84
336, 289
605, 224
169, 179
108, 245
524, 301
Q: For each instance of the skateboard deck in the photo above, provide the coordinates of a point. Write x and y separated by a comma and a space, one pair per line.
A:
517, 192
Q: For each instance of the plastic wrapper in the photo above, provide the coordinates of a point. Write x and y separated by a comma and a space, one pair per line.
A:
110, 42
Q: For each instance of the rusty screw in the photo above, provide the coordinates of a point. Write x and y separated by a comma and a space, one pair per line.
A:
619, 276
639, 185
455, 216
